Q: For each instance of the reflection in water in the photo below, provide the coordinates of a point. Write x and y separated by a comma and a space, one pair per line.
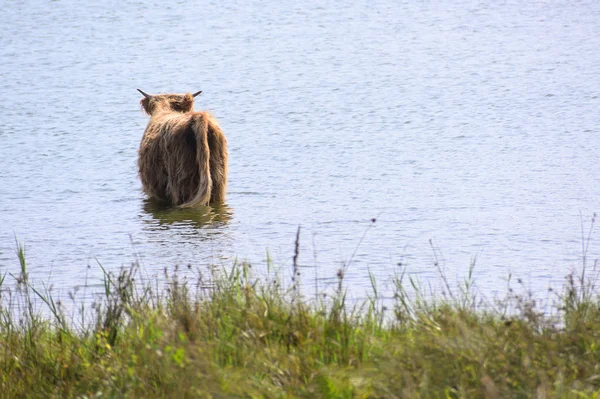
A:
204, 217
199, 236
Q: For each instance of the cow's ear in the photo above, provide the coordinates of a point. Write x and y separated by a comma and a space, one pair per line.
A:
187, 102
145, 102
146, 105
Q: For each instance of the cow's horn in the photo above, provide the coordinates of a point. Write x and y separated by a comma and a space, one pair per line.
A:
145, 95
195, 94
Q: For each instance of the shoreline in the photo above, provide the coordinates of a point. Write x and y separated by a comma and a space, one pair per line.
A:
230, 334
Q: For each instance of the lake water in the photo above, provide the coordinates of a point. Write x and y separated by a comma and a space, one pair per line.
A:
466, 128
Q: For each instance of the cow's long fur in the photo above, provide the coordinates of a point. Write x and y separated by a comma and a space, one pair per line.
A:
183, 154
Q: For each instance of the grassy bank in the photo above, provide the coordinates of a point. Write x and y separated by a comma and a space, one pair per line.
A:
230, 335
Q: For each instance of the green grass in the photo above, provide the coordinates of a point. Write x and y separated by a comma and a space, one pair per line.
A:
233, 335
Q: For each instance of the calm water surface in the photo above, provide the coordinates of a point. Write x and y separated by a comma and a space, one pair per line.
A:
466, 128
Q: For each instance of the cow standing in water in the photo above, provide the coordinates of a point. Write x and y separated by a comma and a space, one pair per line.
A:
183, 154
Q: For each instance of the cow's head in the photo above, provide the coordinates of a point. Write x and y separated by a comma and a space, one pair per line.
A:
173, 102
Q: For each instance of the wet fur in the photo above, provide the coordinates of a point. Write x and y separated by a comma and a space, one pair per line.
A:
183, 154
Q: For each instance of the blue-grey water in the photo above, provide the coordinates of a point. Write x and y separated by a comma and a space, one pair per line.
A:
468, 129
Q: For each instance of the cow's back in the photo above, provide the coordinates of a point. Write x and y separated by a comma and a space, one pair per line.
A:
167, 160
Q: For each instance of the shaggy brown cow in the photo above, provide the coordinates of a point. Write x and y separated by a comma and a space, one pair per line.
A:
183, 154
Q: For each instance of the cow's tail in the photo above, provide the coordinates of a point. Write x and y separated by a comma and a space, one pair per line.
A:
199, 125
